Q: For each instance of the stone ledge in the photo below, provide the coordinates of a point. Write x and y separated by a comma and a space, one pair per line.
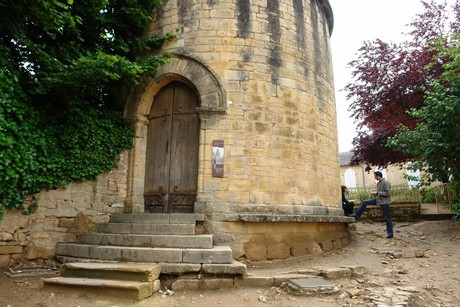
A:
292, 218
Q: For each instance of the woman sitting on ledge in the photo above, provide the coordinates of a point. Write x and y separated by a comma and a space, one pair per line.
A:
347, 205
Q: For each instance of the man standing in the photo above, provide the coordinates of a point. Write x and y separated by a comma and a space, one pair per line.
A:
382, 198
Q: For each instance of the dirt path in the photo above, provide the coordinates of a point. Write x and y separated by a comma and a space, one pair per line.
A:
419, 267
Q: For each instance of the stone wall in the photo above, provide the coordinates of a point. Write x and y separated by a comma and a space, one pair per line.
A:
401, 212
259, 241
267, 241
61, 215
272, 65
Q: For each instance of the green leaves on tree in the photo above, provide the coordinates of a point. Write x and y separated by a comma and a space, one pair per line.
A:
434, 140
66, 70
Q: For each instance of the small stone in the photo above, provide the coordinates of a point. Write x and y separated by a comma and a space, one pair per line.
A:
419, 254
169, 292
262, 298
344, 295
408, 289
355, 292
403, 271
5, 236
359, 270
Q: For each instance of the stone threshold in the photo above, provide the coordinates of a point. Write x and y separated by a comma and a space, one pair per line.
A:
280, 218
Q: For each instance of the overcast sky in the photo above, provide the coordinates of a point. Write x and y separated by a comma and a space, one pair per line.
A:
354, 22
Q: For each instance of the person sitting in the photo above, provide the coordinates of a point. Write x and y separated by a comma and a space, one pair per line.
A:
347, 205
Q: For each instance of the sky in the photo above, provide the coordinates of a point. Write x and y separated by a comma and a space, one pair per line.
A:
356, 21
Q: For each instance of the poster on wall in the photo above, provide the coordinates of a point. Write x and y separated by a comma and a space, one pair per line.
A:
218, 158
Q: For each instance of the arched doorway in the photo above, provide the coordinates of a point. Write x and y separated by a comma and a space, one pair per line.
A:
350, 178
172, 150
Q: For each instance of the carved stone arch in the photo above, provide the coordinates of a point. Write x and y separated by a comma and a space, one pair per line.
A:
201, 76
212, 98
187, 69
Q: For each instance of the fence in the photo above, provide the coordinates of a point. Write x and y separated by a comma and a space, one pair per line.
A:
436, 199
444, 194
399, 194
406, 203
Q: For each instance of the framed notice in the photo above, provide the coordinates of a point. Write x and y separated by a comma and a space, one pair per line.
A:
218, 158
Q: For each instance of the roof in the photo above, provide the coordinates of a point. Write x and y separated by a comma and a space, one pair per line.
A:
345, 158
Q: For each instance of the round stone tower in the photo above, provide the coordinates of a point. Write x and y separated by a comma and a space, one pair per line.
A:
241, 124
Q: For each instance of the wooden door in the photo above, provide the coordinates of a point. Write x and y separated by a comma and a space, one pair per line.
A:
172, 150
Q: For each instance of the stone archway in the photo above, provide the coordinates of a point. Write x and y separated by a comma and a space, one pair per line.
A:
212, 99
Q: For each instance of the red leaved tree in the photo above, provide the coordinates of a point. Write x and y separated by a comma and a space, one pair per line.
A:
387, 80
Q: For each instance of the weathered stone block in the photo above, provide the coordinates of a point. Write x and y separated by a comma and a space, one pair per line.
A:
36, 252
217, 283
218, 254
186, 285
10, 250
278, 251
254, 281
4, 261
235, 268
5, 236
255, 251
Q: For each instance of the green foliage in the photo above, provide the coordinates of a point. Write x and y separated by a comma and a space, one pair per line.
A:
454, 205
66, 70
43, 152
435, 141
428, 195
360, 195
387, 81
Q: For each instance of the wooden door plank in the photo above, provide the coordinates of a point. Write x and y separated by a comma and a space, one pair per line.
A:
158, 154
185, 136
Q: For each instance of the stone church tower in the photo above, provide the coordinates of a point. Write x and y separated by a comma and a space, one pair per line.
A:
254, 81
238, 129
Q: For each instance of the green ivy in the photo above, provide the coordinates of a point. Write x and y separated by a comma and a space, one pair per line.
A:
66, 70
39, 151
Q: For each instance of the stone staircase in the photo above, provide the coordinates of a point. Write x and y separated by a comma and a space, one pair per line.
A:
126, 280
168, 241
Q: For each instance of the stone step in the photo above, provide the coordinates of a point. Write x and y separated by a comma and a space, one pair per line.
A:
216, 254
141, 272
145, 228
176, 241
126, 289
158, 218
234, 268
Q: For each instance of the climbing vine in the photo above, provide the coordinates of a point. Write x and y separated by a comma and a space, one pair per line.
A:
66, 69
42, 151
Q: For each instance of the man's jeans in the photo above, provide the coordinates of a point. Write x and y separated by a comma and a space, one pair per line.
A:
385, 209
